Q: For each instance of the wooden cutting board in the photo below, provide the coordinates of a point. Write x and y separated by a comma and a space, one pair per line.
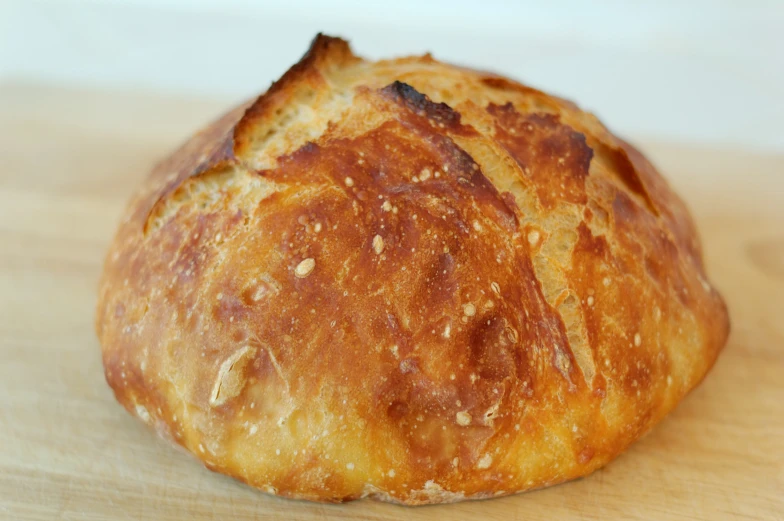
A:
68, 161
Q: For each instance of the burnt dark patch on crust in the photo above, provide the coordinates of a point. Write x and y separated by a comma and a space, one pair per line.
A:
554, 156
406, 95
434, 123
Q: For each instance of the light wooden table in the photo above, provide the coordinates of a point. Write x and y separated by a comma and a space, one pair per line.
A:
69, 159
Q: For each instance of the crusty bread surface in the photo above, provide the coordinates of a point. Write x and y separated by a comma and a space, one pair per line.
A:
408, 281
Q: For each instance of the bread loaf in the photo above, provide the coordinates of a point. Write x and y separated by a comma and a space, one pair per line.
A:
408, 281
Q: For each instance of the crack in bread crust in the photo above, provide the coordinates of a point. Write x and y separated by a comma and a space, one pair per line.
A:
407, 281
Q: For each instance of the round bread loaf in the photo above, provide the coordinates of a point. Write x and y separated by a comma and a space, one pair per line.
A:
408, 281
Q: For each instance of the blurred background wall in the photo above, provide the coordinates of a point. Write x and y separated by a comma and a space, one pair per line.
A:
706, 72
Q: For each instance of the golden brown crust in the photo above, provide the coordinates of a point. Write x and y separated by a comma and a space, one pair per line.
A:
405, 280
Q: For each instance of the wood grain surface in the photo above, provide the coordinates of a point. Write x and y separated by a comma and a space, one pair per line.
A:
68, 161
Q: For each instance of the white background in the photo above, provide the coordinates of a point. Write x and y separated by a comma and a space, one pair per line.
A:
707, 72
